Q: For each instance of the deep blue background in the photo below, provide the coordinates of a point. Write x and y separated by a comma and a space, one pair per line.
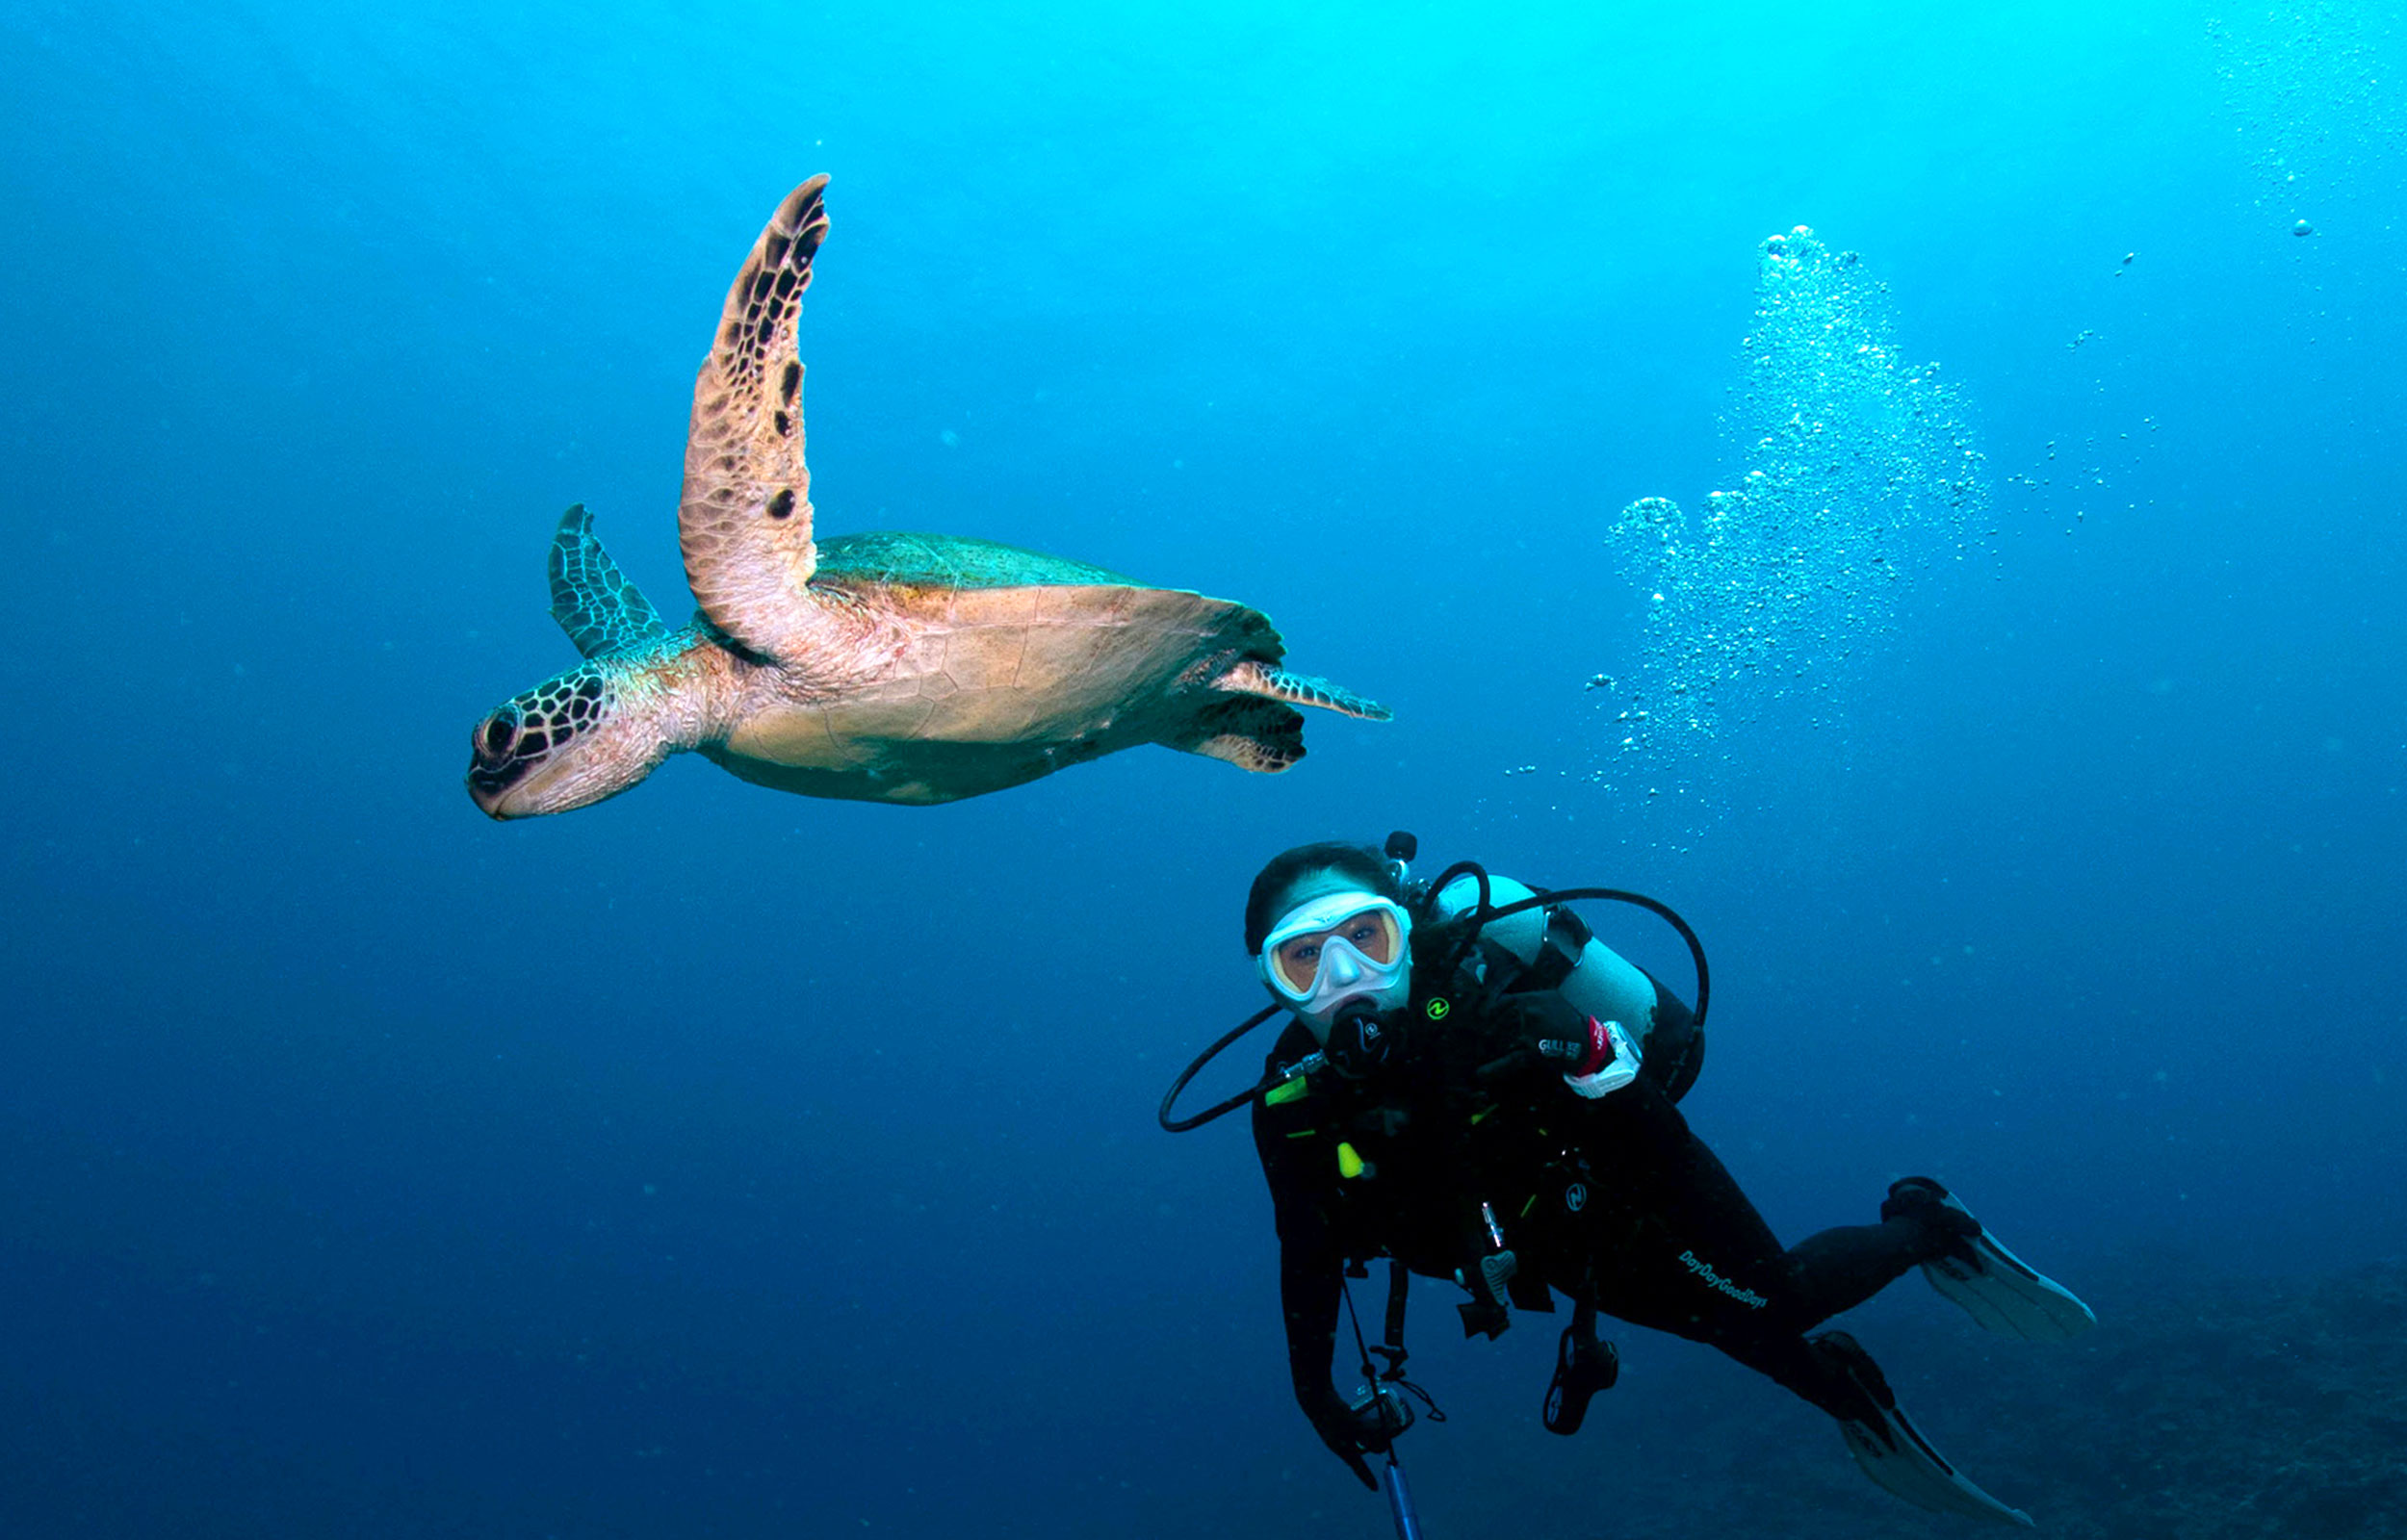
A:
718, 1162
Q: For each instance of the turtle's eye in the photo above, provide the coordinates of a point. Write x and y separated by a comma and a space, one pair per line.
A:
498, 736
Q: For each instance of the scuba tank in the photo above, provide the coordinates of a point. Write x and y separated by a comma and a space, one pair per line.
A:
1558, 951
1542, 943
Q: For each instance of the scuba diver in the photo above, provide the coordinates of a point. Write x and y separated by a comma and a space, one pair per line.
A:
1474, 1087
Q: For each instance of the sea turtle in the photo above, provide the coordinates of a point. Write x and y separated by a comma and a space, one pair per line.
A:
910, 668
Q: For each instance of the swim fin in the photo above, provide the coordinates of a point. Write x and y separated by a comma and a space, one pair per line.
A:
1999, 1290
1893, 1451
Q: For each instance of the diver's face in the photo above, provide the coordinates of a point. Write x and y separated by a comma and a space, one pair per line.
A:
1336, 944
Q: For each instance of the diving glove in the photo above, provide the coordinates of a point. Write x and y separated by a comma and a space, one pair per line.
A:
1350, 1432
1596, 1058
1584, 1365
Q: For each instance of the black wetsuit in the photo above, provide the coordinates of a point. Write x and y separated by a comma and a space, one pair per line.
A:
1612, 1202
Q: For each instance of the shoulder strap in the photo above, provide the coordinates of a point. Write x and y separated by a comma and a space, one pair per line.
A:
1399, 1285
1558, 954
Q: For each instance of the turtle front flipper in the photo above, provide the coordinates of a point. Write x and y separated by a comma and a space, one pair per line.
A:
1254, 676
596, 603
745, 518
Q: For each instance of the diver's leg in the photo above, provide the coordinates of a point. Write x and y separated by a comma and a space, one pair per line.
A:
1833, 1373
1841, 1268
1673, 1243
1677, 1233
1682, 1249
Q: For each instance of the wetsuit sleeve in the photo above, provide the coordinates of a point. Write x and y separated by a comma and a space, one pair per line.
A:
1310, 1265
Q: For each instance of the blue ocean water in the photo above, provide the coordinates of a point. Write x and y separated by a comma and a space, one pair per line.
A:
718, 1162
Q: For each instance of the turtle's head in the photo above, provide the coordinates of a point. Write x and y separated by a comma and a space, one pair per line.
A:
568, 742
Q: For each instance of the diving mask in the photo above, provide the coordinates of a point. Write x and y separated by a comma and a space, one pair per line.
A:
1330, 951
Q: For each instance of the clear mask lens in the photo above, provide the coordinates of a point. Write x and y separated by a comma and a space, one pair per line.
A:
1353, 947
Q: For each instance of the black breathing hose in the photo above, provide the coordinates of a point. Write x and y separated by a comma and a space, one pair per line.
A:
1179, 1125
1487, 912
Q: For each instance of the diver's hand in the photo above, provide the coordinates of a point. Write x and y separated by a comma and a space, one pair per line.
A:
1347, 1433
1596, 1057
1535, 1031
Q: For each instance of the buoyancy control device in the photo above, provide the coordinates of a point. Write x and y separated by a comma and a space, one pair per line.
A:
1471, 918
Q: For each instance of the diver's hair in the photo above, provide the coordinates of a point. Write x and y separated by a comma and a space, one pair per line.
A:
1264, 903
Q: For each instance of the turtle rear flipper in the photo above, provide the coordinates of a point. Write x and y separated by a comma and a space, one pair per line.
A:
601, 610
1254, 676
1261, 735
